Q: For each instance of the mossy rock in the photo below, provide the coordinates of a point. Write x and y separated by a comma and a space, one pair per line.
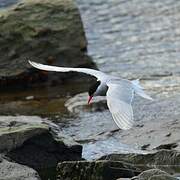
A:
94, 170
45, 31
166, 160
165, 157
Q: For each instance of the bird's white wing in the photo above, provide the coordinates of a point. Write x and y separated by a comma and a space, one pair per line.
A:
98, 74
119, 98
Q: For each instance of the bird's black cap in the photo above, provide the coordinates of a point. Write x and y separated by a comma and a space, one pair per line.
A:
93, 88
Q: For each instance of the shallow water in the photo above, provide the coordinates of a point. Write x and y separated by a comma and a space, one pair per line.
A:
95, 132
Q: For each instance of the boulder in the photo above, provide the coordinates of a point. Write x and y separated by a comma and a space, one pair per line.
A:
14, 131
14, 171
36, 143
45, 31
94, 170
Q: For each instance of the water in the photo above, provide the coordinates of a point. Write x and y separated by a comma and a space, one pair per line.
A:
6, 3
136, 39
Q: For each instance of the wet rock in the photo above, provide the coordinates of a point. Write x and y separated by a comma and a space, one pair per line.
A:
167, 146
49, 32
78, 104
167, 160
14, 171
165, 157
14, 131
154, 174
33, 142
94, 170
145, 146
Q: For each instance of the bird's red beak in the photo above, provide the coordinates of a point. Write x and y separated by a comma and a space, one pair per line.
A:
90, 98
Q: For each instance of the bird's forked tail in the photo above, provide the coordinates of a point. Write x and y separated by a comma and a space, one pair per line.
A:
139, 89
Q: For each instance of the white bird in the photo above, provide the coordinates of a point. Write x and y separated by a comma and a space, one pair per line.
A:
119, 92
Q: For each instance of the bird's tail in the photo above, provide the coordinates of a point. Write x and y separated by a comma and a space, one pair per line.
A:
140, 90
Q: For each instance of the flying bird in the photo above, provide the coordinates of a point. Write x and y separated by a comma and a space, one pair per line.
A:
119, 92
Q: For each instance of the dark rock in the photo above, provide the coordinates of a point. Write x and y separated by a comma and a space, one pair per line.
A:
14, 131
14, 171
49, 32
166, 160
43, 151
145, 146
165, 157
94, 170
154, 174
31, 141
167, 146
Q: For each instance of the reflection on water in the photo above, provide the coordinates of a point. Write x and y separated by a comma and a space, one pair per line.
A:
46, 101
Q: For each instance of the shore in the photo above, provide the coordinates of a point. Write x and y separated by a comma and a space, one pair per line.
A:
45, 121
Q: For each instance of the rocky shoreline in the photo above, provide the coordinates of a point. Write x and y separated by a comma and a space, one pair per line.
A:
68, 140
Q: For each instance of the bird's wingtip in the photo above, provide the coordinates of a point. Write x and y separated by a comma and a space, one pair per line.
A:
29, 61
32, 63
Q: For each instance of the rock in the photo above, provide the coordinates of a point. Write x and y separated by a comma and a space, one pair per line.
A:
145, 146
154, 174
165, 157
14, 171
14, 131
34, 142
167, 160
78, 104
49, 32
167, 146
162, 177
94, 170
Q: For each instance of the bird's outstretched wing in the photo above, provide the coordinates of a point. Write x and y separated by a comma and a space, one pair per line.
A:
119, 98
98, 74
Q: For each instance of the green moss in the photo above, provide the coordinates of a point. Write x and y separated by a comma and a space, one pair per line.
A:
38, 30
